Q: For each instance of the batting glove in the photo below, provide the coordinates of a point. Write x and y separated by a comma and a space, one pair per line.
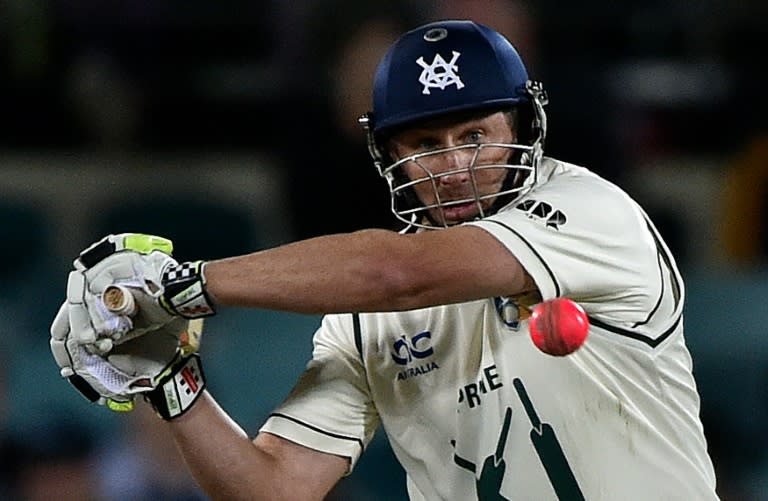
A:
184, 290
162, 288
181, 286
158, 366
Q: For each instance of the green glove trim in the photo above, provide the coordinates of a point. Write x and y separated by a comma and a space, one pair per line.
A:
116, 406
138, 242
145, 244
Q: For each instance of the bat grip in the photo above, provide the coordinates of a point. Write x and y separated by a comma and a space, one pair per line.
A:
119, 300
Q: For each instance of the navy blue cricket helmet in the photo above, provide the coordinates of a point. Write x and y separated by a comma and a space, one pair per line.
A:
448, 67
444, 67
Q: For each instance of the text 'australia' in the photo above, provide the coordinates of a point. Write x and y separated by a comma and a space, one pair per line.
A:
416, 371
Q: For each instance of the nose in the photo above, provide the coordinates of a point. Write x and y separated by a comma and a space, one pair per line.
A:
454, 168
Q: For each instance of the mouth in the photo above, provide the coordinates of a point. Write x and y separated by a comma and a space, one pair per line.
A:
460, 212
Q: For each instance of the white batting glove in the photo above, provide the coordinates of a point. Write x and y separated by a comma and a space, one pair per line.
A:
162, 288
132, 260
158, 366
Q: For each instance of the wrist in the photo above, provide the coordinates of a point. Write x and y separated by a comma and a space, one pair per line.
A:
179, 389
184, 290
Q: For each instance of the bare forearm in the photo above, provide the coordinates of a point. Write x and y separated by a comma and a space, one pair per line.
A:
371, 270
229, 466
220, 455
331, 274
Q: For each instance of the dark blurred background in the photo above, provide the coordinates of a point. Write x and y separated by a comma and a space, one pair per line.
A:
230, 126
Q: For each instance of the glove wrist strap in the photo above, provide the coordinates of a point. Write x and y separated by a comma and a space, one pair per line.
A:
185, 293
179, 390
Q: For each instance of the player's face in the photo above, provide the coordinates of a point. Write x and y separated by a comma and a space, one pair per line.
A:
454, 181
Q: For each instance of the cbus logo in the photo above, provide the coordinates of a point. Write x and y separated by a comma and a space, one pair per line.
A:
552, 217
418, 346
410, 352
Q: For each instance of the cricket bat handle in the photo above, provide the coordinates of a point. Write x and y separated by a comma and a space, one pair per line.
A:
119, 300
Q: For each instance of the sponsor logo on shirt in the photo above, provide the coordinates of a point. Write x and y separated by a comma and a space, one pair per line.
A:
514, 309
472, 394
412, 353
543, 211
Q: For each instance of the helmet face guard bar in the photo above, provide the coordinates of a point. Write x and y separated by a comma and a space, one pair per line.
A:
408, 208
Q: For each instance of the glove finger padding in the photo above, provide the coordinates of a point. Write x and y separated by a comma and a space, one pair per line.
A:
135, 366
132, 260
137, 242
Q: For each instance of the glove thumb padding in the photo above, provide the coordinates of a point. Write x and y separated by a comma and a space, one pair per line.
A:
59, 333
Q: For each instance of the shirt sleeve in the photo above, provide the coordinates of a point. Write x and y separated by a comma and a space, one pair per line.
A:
330, 409
581, 237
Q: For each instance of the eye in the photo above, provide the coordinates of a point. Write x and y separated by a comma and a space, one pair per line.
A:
475, 136
426, 144
413, 145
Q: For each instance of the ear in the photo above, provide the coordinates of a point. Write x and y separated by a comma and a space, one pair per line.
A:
390, 150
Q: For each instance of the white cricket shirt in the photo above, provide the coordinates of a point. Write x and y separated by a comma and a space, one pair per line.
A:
474, 411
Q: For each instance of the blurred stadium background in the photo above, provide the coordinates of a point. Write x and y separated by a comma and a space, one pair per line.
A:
230, 126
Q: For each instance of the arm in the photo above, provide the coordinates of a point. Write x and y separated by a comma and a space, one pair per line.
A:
370, 270
229, 466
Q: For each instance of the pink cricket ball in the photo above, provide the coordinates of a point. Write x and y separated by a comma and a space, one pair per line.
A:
558, 326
